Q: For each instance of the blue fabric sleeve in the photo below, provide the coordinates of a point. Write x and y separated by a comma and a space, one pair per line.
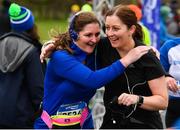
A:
164, 56
65, 65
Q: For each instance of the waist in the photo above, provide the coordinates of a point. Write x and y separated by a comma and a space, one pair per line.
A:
67, 115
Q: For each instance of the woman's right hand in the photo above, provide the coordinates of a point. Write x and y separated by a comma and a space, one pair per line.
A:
46, 50
171, 84
134, 54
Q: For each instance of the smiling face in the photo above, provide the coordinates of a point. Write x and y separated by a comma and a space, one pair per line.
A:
118, 32
88, 37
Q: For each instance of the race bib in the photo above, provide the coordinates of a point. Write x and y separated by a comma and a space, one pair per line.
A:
71, 109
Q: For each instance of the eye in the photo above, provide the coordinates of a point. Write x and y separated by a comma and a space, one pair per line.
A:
97, 34
88, 35
116, 29
107, 28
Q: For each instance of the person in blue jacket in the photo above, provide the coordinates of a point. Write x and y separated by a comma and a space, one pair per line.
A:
165, 12
170, 59
21, 72
70, 81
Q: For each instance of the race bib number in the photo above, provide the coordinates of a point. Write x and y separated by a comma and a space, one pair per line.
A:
71, 109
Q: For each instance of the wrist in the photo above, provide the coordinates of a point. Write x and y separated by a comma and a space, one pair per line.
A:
140, 100
124, 62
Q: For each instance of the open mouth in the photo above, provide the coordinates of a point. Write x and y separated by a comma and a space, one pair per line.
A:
91, 44
113, 38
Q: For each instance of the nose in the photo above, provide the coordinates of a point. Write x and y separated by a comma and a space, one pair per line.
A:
109, 32
94, 39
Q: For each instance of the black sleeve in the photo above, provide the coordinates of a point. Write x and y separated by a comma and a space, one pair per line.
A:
34, 78
152, 66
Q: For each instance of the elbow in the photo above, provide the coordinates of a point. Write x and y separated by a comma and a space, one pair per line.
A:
164, 104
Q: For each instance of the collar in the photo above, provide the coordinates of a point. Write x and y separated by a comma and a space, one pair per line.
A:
77, 52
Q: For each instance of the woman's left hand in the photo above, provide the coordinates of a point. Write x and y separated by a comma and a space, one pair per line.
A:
128, 99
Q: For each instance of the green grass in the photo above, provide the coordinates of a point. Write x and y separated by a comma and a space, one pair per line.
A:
45, 27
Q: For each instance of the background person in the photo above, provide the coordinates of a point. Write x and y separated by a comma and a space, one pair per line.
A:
170, 59
74, 9
5, 21
21, 72
165, 13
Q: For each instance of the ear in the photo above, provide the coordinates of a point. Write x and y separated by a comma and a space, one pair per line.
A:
132, 29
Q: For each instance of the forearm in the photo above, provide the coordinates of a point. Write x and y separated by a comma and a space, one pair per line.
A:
71, 69
154, 103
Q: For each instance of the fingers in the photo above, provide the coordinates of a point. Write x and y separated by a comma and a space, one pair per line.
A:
46, 51
134, 54
49, 42
42, 56
127, 99
171, 84
141, 50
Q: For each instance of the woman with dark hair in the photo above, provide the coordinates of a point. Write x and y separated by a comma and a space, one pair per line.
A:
143, 80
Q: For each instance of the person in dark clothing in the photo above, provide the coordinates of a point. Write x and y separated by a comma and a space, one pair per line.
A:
143, 80
21, 72
133, 99
4, 17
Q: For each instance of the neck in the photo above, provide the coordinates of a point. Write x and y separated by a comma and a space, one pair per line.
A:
126, 48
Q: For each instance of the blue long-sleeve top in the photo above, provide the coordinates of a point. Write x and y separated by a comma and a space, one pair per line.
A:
67, 80
170, 60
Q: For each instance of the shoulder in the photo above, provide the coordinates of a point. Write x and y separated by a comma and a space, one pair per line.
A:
16, 39
62, 55
169, 44
16, 45
148, 58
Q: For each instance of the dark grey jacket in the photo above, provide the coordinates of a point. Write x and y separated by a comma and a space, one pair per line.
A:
21, 81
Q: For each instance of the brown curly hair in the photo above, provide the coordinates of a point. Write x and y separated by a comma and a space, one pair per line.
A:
63, 40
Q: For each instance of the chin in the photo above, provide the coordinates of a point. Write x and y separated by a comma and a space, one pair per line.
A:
114, 45
89, 51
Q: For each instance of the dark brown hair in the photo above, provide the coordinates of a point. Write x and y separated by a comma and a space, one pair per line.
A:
128, 17
33, 33
79, 22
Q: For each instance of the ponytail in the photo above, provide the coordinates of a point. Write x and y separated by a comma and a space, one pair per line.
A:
63, 41
138, 34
